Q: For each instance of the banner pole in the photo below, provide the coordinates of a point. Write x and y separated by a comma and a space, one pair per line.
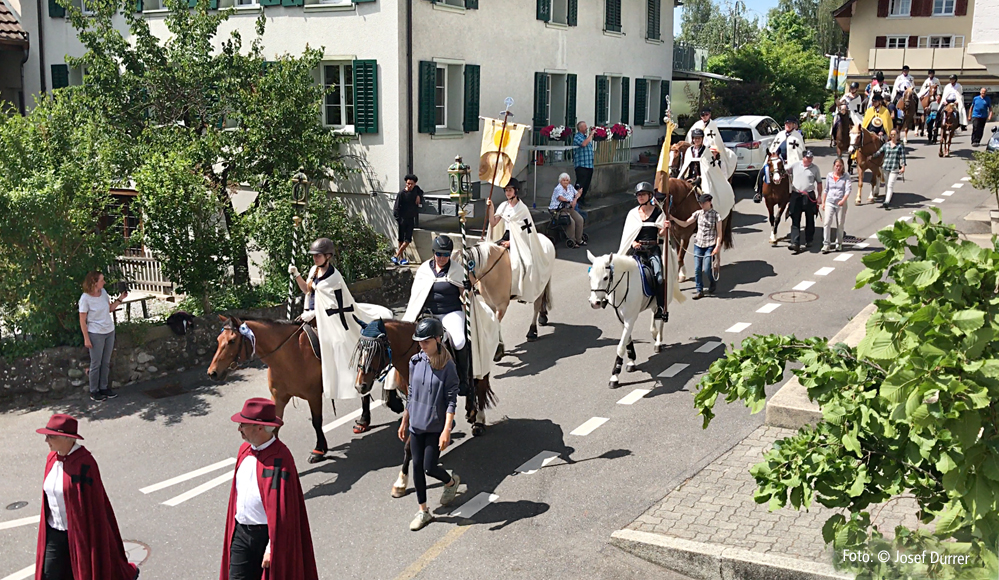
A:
486, 226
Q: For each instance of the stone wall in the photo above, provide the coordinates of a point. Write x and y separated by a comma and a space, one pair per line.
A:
147, 351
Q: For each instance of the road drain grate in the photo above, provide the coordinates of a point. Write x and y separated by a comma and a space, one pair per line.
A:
136, 551
170, 390
17, 505
793, 296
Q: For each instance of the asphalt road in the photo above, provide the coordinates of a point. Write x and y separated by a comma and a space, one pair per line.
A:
554, 519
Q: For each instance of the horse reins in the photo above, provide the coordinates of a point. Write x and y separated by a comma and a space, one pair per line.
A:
609, 290
472, 264
237, 363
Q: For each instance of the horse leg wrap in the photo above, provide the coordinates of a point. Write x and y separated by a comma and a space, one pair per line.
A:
617, 365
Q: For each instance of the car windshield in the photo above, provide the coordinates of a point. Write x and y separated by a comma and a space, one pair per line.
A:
736, 135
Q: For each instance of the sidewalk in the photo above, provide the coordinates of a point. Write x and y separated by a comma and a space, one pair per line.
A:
710, 527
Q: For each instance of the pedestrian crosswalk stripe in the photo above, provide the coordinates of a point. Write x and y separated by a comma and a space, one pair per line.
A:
474, 505
538, 461
673, 370
709, 346
860, 246
958, 185
768, 308
905, 218
843, 257
947, 193
176, 501
21, 574
348, 417
965, 178
633, 396
824, 271
21, 522
804, 285
589, 426
738, 327
938, 200
189, 475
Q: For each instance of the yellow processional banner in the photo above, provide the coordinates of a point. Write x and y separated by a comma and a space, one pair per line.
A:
496, 160
662, 170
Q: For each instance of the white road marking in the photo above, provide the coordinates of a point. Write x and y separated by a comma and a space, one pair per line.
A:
860, 246
874, 236
189, 475
738, 327
708, 346
843, 257
947, 193
768, 308
633, 396
938, 200
21, 574
905, 218
589, 426
21, 522
348, 418
965, 179
824, 271
673, 370
538, 461
958, 185
474, 505
804, 285
176, 501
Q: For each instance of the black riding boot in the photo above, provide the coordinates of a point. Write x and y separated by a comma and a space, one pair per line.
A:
463, 360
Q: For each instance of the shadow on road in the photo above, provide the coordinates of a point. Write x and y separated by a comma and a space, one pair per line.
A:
537, 357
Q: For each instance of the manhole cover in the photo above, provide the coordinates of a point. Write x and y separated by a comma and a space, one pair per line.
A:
793, 296
170, 390
17, 505
137, 552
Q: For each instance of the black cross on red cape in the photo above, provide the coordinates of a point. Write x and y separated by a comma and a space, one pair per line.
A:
82, 478
276, 474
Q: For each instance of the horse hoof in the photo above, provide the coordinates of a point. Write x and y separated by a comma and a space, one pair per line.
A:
660, 347
478, 430
543, 320
398, 492
498, 356
532, 334
630, 367
317, 457
361, 428
683, 277
613, 383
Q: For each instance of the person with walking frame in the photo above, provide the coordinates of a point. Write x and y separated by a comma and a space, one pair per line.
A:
564, 200
429, 415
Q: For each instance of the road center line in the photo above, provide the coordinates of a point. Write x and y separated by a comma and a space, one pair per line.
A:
843, 257
905, 218
768, 308
588, 427
947, 193
965, 178
804, 285
538, 461
958, 185
824, 271
21, 574
432, 552
938, 200
633, 396
673, 370
21, 522
176, 501
474, 505
708, 346
860, 246
348, 417
738, 327
189, 475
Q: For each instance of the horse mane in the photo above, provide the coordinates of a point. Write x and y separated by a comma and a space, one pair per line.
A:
270, 321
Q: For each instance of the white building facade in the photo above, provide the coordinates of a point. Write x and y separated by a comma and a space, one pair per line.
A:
984, 45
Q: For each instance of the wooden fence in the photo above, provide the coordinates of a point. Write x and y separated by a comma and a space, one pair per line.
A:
144, 274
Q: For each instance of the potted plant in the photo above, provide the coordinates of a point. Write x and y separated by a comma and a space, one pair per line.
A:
600, 133
546, 132
620, 131
646, 157
984, 173
557, 133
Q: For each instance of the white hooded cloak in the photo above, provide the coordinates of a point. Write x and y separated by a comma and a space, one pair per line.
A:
532, 255
714, 179
795, 145
632, 225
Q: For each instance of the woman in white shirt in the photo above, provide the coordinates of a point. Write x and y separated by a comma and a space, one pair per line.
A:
95, 308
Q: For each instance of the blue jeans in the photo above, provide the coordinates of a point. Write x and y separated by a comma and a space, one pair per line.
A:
702, 268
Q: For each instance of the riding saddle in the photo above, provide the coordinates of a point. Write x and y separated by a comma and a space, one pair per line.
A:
310, 331
647, 276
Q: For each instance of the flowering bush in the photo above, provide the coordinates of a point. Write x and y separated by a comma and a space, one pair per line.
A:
600, 133
620, 130
559, 132
547, 131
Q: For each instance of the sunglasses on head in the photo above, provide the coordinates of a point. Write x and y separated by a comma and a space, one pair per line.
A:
442, 254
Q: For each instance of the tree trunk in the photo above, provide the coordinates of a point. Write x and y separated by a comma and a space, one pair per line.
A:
237, 238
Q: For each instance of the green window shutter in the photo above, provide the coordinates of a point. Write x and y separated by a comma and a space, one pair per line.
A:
625, 99
540, 99
60, 76
654, 17
641, 101
292, 2
138, 5
365, 96
269, 2
472, 5
545, 10
213, 4
362, 1
573, 13
56, 10
193, 3
663, 93
602, 84
428, 82
613, 16
470, 123
570, 101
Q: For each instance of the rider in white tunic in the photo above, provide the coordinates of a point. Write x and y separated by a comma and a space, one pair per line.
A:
712, 165
902, 82
789, 144
955, 90
931, 81
712, 136
532, 256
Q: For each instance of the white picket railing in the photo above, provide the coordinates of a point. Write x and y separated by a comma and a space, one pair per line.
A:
145, 274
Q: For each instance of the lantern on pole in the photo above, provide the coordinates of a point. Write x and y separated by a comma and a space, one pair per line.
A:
460, 182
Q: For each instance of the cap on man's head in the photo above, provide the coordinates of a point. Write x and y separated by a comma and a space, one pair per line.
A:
905, 67
790, 120
514, 183
808, 154
704, 198
697, 133
931, 72
643, 187
876, 97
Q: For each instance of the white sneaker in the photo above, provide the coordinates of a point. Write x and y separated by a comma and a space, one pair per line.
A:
420, 521
450, 492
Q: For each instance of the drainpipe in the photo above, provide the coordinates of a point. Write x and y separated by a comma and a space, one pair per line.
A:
409, 86
20, 93
41, 48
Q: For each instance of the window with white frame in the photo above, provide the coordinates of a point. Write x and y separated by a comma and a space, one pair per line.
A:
344, 3
615, 101
897, 41
899, 7
440, 98
77, 75
654, 99
559, 11
87, 10
556, 99
449, 97
338, 106
943, 7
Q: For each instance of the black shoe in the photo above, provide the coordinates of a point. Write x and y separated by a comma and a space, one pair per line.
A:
532, 334
884, 206
97, 397
794, 248
108, 393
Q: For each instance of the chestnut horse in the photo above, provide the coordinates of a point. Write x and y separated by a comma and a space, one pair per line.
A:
390, 349
948, 126
908, 104
865, 144
292, 369
844, 122
777, 193
924, 109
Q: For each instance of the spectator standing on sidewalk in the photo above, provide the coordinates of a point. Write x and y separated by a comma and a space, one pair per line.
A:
95, 308
806, 189
582, 158
405, 211
981, 113
894, 164
834, 201
564, 200
706, 246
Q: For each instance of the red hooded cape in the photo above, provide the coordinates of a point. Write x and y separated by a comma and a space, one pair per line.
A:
292, 557
95, 547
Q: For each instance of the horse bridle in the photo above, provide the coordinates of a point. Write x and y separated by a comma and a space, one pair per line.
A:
609, 290
471, 263
244, 343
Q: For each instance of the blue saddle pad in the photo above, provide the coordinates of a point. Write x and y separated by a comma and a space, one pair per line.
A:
646, 276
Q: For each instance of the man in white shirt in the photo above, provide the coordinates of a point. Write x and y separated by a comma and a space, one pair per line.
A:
902, 82
931, 81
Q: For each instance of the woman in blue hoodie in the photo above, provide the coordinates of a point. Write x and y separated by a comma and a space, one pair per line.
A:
429, 415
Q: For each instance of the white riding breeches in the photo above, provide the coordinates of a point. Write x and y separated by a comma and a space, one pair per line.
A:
454, 326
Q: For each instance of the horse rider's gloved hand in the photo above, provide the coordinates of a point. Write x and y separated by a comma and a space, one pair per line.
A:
467, 284
308, 316
293, 270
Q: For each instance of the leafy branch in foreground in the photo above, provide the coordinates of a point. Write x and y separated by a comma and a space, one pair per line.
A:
911, 410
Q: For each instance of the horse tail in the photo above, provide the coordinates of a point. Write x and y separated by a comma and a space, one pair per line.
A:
485, 398
546, 298
727, 231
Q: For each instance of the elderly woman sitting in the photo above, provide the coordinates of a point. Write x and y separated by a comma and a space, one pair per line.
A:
563, 202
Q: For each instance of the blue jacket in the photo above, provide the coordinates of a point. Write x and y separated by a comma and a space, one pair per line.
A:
432, 394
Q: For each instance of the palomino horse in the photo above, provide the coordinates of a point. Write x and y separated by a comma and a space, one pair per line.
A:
777, 193
292, 369
948, 126
615, 280
909, 105
844, 122
391, 348
865, 144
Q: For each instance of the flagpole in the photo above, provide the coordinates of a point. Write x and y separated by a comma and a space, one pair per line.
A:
668, 211
486, 226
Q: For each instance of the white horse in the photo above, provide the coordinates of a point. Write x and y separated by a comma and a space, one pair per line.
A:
614, 280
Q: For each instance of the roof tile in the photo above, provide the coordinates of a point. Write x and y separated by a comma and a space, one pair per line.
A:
10, 29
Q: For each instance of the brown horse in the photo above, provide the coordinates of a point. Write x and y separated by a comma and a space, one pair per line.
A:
841, 137
866, 144
908, 104
949, 124
777, 193
924, 109
292, 369
392, 348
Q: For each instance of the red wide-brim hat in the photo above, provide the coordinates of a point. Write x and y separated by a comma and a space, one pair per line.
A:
60, 425
258, 411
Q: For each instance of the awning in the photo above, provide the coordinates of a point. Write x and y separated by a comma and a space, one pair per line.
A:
693, 75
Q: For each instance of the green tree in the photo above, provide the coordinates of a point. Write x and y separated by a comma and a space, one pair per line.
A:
912, 410
712, 26
984, 172
790, 28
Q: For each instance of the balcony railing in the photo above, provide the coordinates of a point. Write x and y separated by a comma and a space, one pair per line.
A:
940, 59
612, 151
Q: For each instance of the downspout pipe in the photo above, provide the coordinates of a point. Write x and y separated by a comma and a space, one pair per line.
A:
409, 86
21, 106
41, 48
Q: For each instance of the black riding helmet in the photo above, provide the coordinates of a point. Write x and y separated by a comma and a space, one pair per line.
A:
644, 187
514, 184
322, 246
697, 133
443, 243
854, 85
428, 328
